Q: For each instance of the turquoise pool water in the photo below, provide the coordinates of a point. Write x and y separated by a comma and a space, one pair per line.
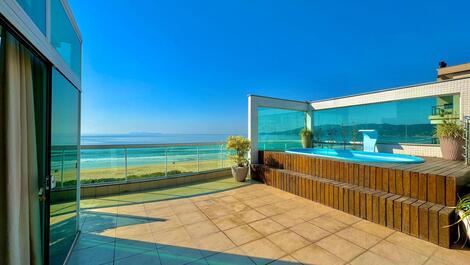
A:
357, 156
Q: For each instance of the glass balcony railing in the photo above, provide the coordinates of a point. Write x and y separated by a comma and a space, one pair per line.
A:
124, 163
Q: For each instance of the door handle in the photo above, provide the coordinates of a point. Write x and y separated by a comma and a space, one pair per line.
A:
41, 195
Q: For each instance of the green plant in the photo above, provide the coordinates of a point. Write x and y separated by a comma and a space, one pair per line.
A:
307, 133
462, 207
449, 129
241, 146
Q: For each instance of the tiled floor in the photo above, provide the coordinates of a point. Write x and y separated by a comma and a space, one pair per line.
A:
249, 224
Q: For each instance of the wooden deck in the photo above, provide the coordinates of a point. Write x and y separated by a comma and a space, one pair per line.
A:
416, 199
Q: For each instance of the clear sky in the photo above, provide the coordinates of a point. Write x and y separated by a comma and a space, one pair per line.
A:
187, 66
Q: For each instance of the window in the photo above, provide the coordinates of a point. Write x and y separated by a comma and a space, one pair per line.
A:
403, 121
36, 10
64, 38
278, 129
64, 166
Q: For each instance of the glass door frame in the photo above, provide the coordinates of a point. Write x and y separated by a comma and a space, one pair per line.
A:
45, 222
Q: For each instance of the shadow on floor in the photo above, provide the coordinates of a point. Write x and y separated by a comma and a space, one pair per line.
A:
95, 249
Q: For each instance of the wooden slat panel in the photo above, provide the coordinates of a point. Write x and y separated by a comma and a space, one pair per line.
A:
414, 185
445, 219
398, 212
432, 188
357, 202
363, 203
414, 218
434, 223
383, 208
423, 187
385, 179
372, 177
424, 220
336, 197
375, 206
399, 182
451, 195
361, 175
406, 183
390, 210
367, 176
378, 178
405, 220
440, 189
391, 181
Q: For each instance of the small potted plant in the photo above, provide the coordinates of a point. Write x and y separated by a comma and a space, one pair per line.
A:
241, 146
462, 209
306, 137
451, 139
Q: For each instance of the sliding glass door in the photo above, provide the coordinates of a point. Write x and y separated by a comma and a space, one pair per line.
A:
23, 152
65, 141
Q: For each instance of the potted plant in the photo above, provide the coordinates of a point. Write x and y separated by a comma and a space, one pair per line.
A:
306, 137
451, 138
462, 209
241, 146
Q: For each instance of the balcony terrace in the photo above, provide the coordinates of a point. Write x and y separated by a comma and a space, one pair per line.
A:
225, 222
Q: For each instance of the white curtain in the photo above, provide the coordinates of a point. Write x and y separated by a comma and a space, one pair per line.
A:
21, 210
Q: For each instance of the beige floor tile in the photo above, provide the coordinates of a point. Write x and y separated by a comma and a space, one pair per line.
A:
262, 251
165, 224
310, 231
227, 199
236, 207
130, 209
249, 216
314, 254
436, 261
155, 205
412, 243
172, 237
232, 256
287, 219
269, 210
217, 242
266, 226
398, 254
358, 237
375, 229
227, 222
201, 229
340, 247
343, 217
370, 258
452, 256
191, 217
242, 234
216, 211
129, 230
160, 212
185, 208
286, 260
288, 240
329, 224
149, 238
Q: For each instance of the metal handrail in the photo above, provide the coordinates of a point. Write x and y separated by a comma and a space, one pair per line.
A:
130, 146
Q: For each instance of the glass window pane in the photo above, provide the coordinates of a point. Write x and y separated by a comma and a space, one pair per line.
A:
64, 38
279, 129
403, 121
36, 10
64, 166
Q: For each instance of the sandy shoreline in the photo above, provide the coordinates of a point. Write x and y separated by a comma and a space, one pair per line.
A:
119, 172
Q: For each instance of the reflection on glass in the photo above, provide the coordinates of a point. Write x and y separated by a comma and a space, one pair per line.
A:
278, 129
64, 170
64, 38
403, 121
36, 10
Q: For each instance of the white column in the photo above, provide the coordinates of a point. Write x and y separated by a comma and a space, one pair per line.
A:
253, 129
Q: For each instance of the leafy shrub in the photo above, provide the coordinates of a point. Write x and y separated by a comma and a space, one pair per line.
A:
449, 129
241, 146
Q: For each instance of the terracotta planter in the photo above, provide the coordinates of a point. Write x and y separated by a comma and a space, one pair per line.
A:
240, 173
306, 142
451, 148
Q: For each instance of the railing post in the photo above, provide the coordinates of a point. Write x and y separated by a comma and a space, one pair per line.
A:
62, 169
166, 163
125, 164
197, 158
222, 154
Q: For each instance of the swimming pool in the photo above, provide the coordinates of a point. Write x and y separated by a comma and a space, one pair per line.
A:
357, 156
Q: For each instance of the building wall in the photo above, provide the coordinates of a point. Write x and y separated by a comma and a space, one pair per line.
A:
459, 87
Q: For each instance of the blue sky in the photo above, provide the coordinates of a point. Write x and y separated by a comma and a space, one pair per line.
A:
188, 66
